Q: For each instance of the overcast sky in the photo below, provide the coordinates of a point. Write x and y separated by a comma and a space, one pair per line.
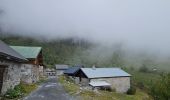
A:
138, 23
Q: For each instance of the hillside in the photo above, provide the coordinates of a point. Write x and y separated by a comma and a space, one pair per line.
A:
56, 51
73, 51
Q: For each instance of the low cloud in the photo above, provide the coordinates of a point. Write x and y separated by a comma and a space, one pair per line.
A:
140, 24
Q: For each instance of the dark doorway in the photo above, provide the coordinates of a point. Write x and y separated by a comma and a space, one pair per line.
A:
2, 69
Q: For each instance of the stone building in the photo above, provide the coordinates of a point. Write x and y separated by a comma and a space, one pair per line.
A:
50, 72
33, 69
115, 77
10, 67
60, 69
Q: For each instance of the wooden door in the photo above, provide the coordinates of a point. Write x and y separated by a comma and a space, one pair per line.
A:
2, 69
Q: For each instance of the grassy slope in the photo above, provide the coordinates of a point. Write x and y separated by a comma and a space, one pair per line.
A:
74, 89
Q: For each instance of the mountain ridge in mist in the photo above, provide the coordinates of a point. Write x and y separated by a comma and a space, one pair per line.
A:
68, 51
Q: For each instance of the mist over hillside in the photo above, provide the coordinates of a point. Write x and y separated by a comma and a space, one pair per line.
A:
105, 33
79, 51
137, 24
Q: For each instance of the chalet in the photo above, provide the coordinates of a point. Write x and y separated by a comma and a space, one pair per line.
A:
31, 70
115, 77
10, 67
60, 69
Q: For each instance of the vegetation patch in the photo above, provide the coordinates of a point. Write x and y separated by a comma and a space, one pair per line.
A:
131, 91
69, 86
75, 90
160, 90
41, 80
142, 79
19, 91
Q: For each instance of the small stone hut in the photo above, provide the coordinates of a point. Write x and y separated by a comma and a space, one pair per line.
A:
31, 70
10, 67
116, 77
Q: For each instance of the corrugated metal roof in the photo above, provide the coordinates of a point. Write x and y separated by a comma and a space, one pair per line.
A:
104, 72
5, 50
99, 83
59, 67
71, 70
27, 52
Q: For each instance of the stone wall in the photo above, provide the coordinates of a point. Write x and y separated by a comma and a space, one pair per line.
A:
11, 75
41, 71
35, 73
121, 84
59, 72
29, 73
84, 81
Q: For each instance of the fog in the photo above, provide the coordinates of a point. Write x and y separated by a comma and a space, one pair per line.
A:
139, 24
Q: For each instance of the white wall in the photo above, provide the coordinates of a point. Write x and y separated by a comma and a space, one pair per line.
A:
121, 84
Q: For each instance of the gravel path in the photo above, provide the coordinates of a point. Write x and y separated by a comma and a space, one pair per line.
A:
50, 90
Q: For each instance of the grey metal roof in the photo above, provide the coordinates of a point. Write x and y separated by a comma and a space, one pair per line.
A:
10, 53
72, 70
104, 72
61, 67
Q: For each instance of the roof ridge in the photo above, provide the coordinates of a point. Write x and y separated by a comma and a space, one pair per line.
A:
25, 46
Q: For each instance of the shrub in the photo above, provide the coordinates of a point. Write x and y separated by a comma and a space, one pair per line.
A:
140, 85
143, 68
132, 68
18, 91
160, 90
131, 90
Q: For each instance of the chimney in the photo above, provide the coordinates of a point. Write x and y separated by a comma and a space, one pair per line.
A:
94, 67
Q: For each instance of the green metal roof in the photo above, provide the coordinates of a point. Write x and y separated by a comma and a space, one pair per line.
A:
27, 52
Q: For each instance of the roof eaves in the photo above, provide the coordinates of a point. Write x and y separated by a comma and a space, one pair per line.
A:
22, 60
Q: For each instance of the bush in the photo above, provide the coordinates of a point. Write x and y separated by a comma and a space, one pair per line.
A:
143, 68
140, 85
131, 91
160, 90
18, 91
